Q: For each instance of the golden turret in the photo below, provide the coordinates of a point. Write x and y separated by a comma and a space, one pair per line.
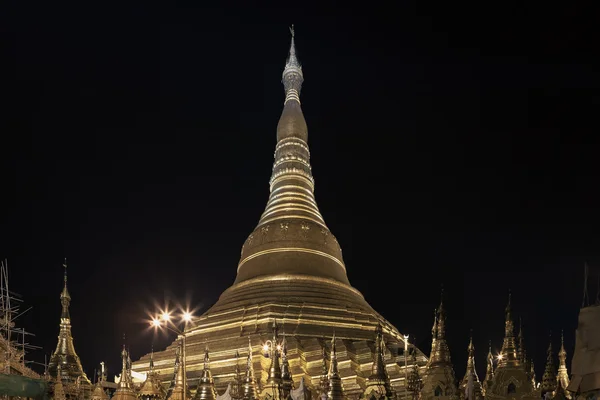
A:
65, 354
549, 377
59, 389
287, 384
274, 379
125, 386
178, 390
534, 383
521, 351
441, 354
249, 384
563, 374
470, 385
439, 379
151, 389
324, 381
335, 390
99, 393
508, 354
415, 382
378, 383
206, 386
489, 372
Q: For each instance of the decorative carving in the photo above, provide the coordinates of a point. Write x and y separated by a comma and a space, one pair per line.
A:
305, 228
325, 233
284, 228
264, 230
250, 240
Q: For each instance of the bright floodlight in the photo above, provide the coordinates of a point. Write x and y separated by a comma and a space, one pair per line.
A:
187, 317
266, 347
156, 322
165, 316
499, 357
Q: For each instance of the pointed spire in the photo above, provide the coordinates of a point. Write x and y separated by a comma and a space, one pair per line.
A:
286, 375
509, 346
549, 377
532, 374
563, 374
125, 387
521, 352
471, 380
206, 386
249, 385
378, 383
324, 382
65, 298
274, 378
440, 353
335, 390
489, 373
292, 77
151, 389
291, 223
65, 350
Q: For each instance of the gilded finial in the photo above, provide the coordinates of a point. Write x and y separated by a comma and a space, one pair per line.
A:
292, 77
65, 266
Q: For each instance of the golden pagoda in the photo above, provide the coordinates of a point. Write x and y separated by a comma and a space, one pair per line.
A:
511, 379
73, 377
489, 372
125, 389
563, 374
291, 270
549, 379
470, 387
439, 380
151, 388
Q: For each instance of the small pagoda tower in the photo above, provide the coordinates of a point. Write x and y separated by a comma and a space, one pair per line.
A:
511, 380
178, 389
99, 393
125, 389
563, 374
206, 386
151, 389
249, 383
440, 380
335, 390
470, 387
324, 382
489, 372
549, 379
415, 381
65, 355
274, 385
287, 384
378, 383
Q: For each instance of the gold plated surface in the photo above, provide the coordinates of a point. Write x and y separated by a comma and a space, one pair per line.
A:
71, 371
291, 270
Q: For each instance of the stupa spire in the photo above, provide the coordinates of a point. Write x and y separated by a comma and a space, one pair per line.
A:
335, 390
470, 383
509, 347
206, 386
378, 383
125, 389
489, 372
64, 353
563, 374
440, 350
249, 384
324, 382
274, 378
286, 376
291, 237
549, 377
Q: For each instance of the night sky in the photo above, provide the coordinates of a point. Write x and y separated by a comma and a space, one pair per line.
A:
453, 143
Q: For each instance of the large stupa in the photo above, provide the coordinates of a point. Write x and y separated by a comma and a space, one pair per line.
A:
291, 272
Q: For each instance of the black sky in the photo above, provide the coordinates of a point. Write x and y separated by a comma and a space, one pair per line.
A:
452, 143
